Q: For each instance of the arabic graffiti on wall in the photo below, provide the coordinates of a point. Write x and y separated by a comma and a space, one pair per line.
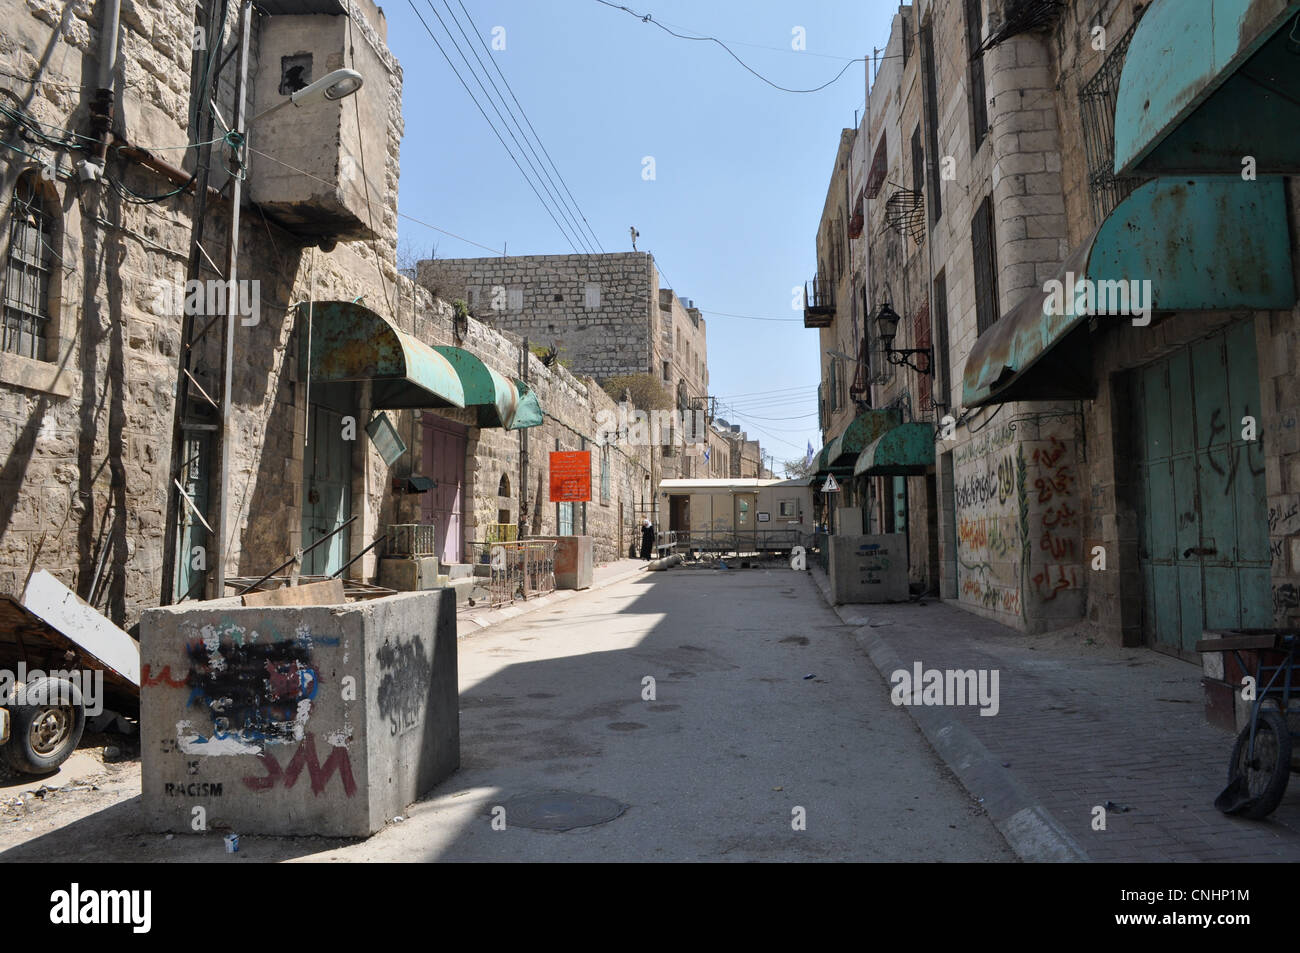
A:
1019, 520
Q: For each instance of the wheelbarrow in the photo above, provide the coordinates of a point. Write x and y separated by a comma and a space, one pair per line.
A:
1260, 764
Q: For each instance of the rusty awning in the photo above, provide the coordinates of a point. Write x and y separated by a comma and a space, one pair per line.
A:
1209, 244
349, 342
906, 450
840, 454
496, 399
1207, 83
528, 412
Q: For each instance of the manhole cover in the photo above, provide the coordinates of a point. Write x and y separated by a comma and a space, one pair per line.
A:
561, 811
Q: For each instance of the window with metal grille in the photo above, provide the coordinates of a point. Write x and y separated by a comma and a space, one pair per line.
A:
931, 121
27, 271
565, 519
604, 474
905, 24
821, 407
943, 379
986, 266
1097, 104
979, 107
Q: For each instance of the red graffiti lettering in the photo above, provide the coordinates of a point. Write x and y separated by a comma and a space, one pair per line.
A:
1058, 547
1048, 458
305, 756
162, 678
1062, 515
1049, 487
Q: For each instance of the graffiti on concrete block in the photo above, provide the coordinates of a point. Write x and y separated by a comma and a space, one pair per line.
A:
254, 688
338, 762
193, 789
404, 687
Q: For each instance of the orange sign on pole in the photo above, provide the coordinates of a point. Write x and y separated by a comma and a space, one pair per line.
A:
571, 476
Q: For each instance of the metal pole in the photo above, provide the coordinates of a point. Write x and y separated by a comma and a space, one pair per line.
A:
523, 452
232, 310
203, 126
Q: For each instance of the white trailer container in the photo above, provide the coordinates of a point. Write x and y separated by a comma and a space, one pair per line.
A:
739, 515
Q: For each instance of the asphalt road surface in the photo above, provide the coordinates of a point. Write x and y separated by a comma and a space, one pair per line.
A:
696, 714
736, 750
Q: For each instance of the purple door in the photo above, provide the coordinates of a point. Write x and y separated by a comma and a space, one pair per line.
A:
444, 462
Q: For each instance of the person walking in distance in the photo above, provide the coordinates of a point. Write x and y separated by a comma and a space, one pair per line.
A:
647, 539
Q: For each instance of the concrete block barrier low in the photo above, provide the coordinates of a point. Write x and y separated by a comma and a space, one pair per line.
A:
324, 719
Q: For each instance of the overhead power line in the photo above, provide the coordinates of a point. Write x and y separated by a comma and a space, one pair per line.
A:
486, 119
649, 18
543, 175
523, 113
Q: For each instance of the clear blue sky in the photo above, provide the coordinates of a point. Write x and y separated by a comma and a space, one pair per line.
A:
741, 169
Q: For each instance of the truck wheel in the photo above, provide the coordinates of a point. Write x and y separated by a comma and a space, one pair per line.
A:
42, 736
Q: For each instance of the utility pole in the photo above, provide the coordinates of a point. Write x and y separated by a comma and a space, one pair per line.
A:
232, 307
179, 505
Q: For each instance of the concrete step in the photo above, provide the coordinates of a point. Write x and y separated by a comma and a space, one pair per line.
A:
465, 588
457, 570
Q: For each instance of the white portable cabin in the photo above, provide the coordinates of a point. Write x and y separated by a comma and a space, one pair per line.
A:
740, 515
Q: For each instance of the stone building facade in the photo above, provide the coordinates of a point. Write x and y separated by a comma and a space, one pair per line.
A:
1128, 469
603, 315
94, 288
600, 312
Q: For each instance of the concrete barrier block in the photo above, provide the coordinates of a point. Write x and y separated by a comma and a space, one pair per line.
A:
406, 574
868, 568
282, 720
573, 562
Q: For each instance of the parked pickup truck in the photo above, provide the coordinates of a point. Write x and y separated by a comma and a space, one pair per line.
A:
60, 662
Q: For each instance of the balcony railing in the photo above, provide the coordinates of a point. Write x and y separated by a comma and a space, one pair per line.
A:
818, 303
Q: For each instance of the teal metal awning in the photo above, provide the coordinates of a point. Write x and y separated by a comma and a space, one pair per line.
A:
528, 412
1211, 244
839, 455
493, 397
349, 342
906, 450
1208, 82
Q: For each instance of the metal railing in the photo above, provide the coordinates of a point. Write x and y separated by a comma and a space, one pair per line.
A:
743, 541
821, 550
520, 569
412, 539
501, 532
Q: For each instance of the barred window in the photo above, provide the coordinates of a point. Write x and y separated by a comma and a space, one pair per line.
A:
27, 271
604, 474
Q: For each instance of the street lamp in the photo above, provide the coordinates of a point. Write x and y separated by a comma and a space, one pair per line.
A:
887, 325
339, 84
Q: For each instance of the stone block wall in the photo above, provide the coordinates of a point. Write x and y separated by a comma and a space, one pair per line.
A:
545, 298
85, 435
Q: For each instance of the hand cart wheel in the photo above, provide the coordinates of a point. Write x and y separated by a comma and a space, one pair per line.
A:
1264, 767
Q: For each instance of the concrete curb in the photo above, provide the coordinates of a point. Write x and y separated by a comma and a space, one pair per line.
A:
1029, 828
506, 613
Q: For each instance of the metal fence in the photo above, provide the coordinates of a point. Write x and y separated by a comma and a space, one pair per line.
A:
501, 532
821, 550
412, 539
742, 542
520, 569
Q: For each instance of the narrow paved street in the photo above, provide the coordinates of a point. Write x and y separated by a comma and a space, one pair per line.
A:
735, 739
